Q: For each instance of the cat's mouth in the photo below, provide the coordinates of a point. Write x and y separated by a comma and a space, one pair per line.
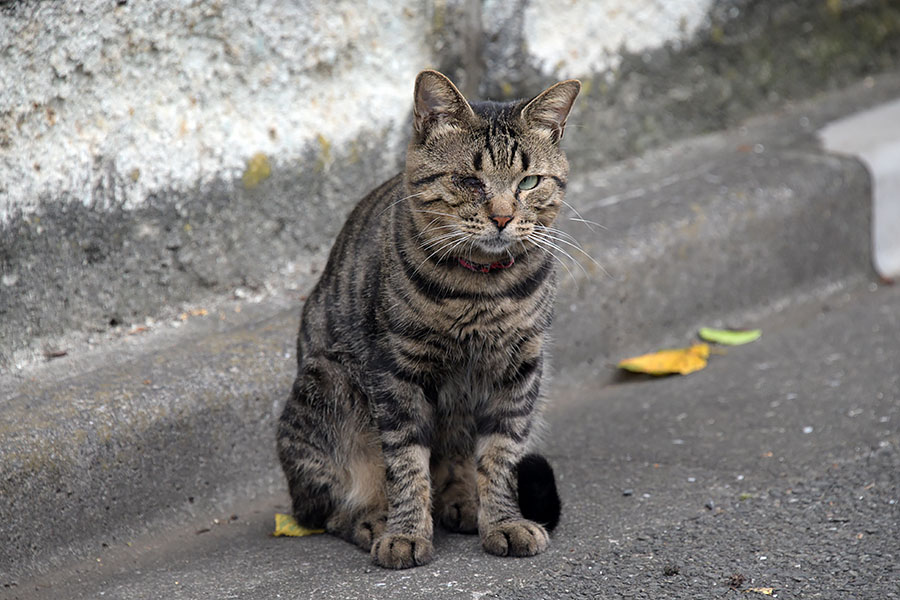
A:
484, 267
495, 244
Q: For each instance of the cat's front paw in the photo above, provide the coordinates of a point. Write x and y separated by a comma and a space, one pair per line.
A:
400, 551
516, 538
461, 516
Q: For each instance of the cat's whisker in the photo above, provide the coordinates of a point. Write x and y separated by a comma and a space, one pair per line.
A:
550, 231
585, 253
449, 248
562, 237
581, 217
396, 202
439, 247
435, 220
427, 228
524, 247
441, 236
554, 230
551, 242
430, 229
465, 240
587, 222
441, 242
453, 229
559, 234
459, 237
548, 250
452, 236
434, 212
470, 245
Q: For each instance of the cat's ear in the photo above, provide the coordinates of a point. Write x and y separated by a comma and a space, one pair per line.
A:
548, 111
438, 103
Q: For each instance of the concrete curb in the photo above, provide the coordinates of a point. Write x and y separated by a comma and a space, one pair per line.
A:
729, 223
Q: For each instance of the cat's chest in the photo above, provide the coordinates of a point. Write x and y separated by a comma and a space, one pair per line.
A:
479, 343
475, 326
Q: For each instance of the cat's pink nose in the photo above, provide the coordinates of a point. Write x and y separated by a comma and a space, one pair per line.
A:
501, 220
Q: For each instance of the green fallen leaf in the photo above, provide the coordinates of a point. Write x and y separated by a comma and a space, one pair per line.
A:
287, 525
730, 337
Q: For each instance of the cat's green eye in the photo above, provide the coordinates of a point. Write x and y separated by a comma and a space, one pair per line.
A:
529, 182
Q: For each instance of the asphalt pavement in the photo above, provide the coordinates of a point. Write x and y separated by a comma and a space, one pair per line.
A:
777, 466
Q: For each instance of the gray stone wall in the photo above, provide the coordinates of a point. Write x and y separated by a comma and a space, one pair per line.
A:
151, 155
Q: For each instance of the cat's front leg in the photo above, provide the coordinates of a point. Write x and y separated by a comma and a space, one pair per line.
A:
503, 437
502, 528
403, 418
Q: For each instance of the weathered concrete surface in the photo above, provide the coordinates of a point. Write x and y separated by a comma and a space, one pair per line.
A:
126, 129
777, 466
157, 426
111, 103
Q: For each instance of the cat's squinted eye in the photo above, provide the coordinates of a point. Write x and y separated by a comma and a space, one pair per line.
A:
469, 183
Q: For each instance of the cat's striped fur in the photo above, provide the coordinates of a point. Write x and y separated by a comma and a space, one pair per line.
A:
421, 349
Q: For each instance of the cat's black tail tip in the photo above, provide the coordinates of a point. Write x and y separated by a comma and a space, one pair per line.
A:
538, 498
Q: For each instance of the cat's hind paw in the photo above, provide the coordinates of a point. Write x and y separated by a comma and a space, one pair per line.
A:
515, 538
400, 551
367, 530
460, 517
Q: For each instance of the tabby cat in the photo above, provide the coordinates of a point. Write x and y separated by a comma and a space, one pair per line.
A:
421, 348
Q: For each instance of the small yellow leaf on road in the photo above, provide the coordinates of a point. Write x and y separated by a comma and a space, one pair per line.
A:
730, 337
764, 591
668, 362
287, 525
257, 169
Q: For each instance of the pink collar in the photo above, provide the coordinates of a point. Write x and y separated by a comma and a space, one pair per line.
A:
481, 268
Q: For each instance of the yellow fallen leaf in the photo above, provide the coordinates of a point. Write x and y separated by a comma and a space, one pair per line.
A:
287, 525
765, 591
667, 362
258, 168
